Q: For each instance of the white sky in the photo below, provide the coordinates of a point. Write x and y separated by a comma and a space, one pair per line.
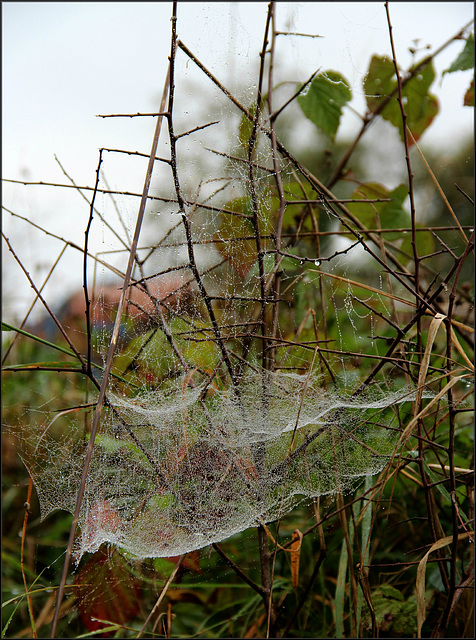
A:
63, 63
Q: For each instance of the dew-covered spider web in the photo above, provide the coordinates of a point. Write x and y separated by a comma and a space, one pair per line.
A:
236, 387
177, 469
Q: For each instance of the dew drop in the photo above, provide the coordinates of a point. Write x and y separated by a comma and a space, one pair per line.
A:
317, 263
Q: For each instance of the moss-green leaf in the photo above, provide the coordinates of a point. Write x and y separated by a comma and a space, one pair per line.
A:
245, 128
394, 614
323, 101
421, 106
379, 82
236, 236
386, 215
465, 60
425, 244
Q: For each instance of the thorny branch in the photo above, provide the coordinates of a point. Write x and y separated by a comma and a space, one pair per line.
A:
108, 365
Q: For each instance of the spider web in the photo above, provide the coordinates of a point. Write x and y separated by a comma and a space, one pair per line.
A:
176, 470
218, 416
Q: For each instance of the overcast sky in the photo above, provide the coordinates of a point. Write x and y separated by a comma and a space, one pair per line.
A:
64, 63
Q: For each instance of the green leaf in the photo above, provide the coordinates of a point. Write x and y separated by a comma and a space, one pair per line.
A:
434, 478
387, 215
421, 107
379, 82
323, 101
465, 60
424, 241
340, 592
245, 128
393, 215
236, 237
394, 614
365, 542
294, 212
441, 488
150, 358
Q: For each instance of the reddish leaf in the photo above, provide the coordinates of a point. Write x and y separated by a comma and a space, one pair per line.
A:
106, 590
103, 518
469, 95
191, 561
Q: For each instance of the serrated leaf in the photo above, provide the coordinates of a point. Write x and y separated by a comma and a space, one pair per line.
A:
107, 590
421, 107
323, 101
465, 60
379, 82
393, 613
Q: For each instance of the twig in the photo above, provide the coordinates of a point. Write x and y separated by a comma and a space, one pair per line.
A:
199, 128
135, 153
45, 304
23, 322
162, 595
107, 368
22, 557
239, 572
85, 268
131, 115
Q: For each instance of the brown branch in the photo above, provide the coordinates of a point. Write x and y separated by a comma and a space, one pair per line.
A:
238, 571
131, 115
108, 365
85, 268
181, 202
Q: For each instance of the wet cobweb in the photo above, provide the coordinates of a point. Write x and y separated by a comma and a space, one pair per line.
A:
176, 469
223, 409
